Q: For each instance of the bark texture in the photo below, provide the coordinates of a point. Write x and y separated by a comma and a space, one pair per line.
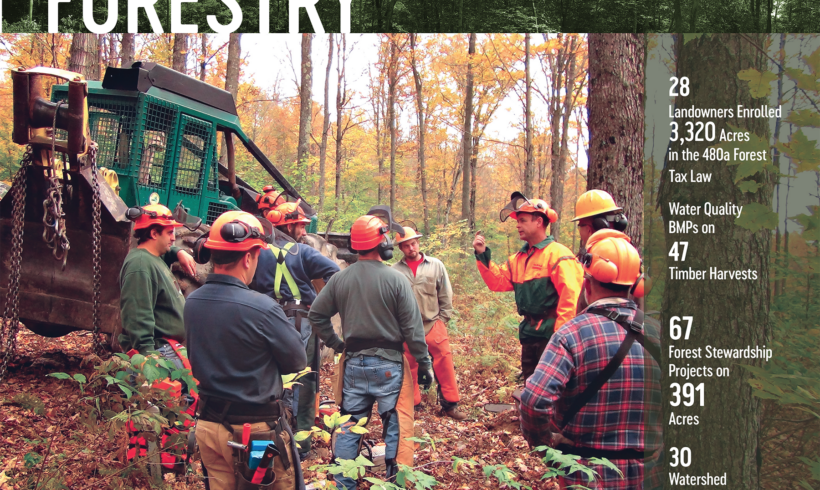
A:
727, 313
616, 123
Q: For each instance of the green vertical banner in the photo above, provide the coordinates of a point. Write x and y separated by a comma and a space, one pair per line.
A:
732, 171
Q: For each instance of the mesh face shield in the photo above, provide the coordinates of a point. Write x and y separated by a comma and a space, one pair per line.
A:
383, 213
516, 201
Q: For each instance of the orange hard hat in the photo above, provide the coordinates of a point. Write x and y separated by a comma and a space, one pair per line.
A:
520, 204
239, 231
151, 214
409, 233
593, 203
611, 258
269, 198
287, 213
367, 233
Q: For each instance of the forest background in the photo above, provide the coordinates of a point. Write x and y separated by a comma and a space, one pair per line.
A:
410, 131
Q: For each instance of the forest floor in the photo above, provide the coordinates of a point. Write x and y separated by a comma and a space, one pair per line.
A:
39, 416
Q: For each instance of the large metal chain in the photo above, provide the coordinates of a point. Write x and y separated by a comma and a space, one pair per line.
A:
99, 346
53, 216
11, 313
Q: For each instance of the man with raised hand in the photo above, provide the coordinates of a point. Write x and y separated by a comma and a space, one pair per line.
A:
544, 274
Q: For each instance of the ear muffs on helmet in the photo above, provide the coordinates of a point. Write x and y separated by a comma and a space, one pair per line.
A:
201, 254
602, 269
637, 290
611, 221
385, 248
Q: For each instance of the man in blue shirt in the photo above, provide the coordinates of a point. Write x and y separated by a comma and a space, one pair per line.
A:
285, 273
240, 345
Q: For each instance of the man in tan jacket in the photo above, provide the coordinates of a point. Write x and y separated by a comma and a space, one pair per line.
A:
434, 295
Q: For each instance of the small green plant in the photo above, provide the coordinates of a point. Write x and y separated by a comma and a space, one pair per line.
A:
561, 464
505, 476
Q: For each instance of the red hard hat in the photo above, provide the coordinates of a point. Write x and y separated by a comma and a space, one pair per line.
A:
238, 231
152, 214
367, 233
287, 213
269, 198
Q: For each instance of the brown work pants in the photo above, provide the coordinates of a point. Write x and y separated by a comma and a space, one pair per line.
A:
531, 351
217, 457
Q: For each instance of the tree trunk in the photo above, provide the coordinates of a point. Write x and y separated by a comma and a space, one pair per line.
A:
325, 125
377, 110
203, 63
180, 53
556, 165
559, 164
84, 57
677, 18
528, 170
728, 313
305, 86
693, 16
392, 83
616, 79
340, 96
232, 79
112, 51
467, 136
422, 130
127, 49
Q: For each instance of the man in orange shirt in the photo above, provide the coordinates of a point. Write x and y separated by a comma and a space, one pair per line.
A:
544, 274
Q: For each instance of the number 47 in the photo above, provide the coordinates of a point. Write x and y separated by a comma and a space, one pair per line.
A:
673, 252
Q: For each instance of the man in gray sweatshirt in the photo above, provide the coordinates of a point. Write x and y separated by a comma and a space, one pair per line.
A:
379, 314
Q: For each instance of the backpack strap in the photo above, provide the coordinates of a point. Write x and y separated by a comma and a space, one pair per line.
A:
634, 332
282, 271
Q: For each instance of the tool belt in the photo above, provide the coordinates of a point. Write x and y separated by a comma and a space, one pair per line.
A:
356, 344
295, 309
274, 414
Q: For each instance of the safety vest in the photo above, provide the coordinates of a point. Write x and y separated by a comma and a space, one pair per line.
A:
282, 270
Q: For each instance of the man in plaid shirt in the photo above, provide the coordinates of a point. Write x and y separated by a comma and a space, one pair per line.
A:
615, 423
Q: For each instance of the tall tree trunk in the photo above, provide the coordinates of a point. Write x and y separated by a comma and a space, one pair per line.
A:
528, 170
180, 53
556, 165
776, 156
728, 313
616, 137
473, 183
392, 83
677, 18
127, 49
559, 165
203, 62
340, 96
112, 51
325, 125
305, 86
232, 79
377, 111
84, 57
422, 130
693, 16
467, 136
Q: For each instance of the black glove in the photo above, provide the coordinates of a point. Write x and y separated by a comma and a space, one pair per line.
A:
340, 348
426, 376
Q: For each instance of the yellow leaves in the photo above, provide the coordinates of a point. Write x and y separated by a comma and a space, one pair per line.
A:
760, 84
803, 152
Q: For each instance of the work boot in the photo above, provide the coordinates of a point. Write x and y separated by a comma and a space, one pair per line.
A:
455, 414
391, 469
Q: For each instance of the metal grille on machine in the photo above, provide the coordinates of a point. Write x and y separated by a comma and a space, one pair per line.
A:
159, 121
214, 210
196, 136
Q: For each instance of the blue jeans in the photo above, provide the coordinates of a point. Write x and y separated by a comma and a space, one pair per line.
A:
369, 379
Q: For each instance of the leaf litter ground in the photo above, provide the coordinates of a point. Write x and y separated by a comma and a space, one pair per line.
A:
37, 411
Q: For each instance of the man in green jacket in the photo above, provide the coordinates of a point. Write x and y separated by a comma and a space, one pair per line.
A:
151, 302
